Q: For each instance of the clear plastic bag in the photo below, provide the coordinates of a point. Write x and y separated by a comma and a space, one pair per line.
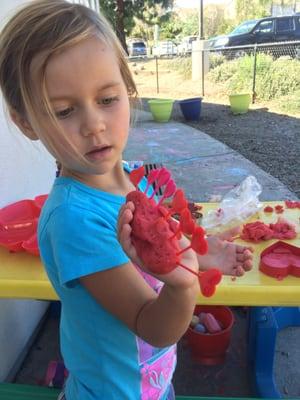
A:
237, 205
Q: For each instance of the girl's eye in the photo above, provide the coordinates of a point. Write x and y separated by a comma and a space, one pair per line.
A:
109, 100
64, 113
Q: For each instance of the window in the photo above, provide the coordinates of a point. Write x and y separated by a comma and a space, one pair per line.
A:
285, 25
138, 44
265, 27
245, 27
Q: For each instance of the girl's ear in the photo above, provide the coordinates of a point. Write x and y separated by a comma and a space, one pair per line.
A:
23, 125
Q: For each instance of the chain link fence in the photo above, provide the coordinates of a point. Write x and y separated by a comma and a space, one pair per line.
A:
256, 67
267, 71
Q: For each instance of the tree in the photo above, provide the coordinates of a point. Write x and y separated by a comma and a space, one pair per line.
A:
246, 9
125, 14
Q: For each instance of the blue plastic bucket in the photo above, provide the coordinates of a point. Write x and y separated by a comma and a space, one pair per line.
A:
191, 108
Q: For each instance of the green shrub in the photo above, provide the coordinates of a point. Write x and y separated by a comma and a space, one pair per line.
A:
182, 65
283, 78
215, 60
274, 78
289, 103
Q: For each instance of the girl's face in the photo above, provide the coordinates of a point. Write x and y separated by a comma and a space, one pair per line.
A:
90, 101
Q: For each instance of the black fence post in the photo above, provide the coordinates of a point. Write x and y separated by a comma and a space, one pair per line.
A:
157, 83
202, 60
254, 74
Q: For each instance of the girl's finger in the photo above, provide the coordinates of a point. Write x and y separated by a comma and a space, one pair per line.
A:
248, 265
239, 271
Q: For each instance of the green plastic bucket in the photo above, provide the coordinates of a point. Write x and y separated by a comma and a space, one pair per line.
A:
239, 103
161, 109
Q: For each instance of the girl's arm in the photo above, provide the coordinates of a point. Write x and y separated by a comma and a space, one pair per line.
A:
160, 319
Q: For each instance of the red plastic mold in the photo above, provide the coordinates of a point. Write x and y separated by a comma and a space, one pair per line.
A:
20, 211
280, 260
18, 226
31, 245
40, 200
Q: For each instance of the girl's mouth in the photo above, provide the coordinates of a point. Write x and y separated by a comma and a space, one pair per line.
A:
99, 153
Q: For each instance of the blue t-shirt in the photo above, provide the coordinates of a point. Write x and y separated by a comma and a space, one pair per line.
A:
106, 361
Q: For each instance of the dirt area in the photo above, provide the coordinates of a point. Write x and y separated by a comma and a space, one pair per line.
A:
269, 140
266, 137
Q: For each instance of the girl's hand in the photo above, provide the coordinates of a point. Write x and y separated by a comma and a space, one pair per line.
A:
179, 277
230, 258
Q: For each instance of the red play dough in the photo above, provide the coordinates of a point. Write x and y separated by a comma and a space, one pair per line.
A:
268, 209
152, 235
258, 231
155, 233
283, 229
292, 204
280, 260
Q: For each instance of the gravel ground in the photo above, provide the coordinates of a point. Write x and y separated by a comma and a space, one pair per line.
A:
269, 140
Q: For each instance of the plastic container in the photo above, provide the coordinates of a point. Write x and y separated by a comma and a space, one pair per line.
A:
191, 108
40, 200
16, 233
20, 211
239, 103
280, 260
211, 348
18, 223
31, 245
161, 109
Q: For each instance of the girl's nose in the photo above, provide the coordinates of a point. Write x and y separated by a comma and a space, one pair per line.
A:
92, 123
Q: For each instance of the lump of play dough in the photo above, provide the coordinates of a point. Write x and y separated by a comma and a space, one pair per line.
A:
153, 235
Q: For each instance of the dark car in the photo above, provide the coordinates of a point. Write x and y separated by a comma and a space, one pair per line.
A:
137, 49
261, 31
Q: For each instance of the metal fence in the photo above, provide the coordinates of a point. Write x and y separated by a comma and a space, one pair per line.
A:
238, 68
260, 57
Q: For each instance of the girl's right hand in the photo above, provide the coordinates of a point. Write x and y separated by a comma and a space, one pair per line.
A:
179, 277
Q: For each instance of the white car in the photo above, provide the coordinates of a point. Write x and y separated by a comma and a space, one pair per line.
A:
185, 47
167, 48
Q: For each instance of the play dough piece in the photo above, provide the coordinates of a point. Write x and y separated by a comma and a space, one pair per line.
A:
152, 235
283, 229
256, 232
259, 231
268, 209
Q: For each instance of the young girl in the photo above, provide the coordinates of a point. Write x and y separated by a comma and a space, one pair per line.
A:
66, 82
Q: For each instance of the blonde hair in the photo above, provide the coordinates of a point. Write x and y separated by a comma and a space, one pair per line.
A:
42, 28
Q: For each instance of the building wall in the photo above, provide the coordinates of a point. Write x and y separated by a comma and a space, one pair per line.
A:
26, 171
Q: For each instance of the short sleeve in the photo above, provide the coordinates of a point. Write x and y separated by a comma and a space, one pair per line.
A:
83, 242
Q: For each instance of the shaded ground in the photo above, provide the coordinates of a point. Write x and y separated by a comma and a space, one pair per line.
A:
269, 140
191, 378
